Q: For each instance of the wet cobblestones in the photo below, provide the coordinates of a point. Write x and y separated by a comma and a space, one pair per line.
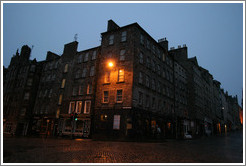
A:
215, 149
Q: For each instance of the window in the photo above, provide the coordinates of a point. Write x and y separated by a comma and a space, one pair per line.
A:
148, 44
140, 77
140, 98
33, 68
89, 89
75, 89
53, 77
78, 106
142, 39
26, 96
107, 77
158, 88
121, 75
80, 58
147, 101
94, 55
63, 83
158, 70
86, 57
111, 39
84, 72
153, 65
105, 97
81, 90
153, 84
148, 62
87, 107
153, 102
123, 36
77, 74
147, 80
119, 94
71, 107
45, 92
60, 99
66, 68
141, 57
153, 49
56, 65
92, 71
50, 93
29, 82
116, 125
122, 55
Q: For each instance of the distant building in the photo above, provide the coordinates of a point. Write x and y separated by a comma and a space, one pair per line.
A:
130, 86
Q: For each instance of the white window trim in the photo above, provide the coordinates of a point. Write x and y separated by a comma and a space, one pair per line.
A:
70, 104
87, 101
77, 106
121, 97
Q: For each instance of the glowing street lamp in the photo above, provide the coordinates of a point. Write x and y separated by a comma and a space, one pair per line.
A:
110, 64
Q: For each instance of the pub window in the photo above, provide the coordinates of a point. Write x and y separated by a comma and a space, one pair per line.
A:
116, 124
87, 107
71, 107
78, 106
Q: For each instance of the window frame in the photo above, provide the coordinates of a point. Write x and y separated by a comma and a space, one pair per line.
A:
117, 96
103, 99
85, 107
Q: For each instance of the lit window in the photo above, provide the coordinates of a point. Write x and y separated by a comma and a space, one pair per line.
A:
122, 55
63, 83
87, 107
27, 95
111, 39
123, 36
80, 58
147, 80
66, 68
105, 97
104, 117
60, 99
92, 72
119, 98
78, 106
116, 125
57, 113
141, 57
94, 55
89, 89
140, 98
84, 72
140, 77
71, 107
121, 75
107, 77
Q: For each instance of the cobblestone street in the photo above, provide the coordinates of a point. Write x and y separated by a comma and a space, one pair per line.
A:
214, 149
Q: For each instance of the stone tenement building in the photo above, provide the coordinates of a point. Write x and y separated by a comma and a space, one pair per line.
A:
130, 86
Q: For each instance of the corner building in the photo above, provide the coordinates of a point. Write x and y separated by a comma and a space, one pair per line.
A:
134, 96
